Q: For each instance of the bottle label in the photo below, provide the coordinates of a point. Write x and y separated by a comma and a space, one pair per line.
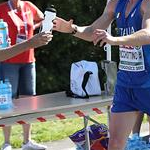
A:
3, 100
1, 39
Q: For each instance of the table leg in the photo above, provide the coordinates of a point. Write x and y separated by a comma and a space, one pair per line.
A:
108, 115
87, 139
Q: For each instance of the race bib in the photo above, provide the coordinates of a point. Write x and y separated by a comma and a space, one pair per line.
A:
20, 38
131, 58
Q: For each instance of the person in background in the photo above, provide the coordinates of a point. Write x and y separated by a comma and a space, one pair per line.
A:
22, 17
132, 90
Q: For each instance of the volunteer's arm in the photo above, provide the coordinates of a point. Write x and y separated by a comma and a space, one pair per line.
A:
36, 41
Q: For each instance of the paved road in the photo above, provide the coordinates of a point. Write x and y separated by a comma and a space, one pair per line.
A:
67, 144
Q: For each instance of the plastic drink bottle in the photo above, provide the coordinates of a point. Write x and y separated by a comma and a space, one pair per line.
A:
3, 34
4, 96
3, 103
8, 91
50, 15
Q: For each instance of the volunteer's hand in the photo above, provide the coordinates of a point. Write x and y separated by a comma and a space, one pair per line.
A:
40, 39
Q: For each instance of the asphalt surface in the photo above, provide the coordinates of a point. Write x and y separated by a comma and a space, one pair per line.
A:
65, 144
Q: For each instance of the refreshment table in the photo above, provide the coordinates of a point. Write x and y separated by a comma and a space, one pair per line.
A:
51, 106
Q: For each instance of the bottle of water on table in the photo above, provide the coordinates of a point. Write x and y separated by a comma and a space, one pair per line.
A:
5, 95
3, 34
9, 91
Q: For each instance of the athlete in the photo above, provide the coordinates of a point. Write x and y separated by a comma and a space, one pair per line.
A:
132, 91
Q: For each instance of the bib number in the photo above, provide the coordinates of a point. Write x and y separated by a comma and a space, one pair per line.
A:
131, 59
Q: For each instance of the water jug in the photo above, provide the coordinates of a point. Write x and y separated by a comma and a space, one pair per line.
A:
8, 91
3, 34
5, 101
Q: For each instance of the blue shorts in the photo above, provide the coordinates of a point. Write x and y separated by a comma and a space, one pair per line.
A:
21, 76
131, 99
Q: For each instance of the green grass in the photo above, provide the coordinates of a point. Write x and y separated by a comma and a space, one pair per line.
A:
50, 131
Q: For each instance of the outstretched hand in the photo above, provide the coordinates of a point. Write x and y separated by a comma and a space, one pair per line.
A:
62, 25
41, 39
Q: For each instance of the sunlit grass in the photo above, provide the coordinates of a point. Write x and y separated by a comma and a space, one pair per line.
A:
50, 131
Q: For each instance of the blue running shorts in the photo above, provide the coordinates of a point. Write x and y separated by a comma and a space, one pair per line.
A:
131, 99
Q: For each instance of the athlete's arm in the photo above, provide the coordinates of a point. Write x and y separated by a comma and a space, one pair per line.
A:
36, 41
85, 32
141, 37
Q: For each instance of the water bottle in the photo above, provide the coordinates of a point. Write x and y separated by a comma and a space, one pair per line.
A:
8, 91
3, 34
50, 15
5, 95
4, 102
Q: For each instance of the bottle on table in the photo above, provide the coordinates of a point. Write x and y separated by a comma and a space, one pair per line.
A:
5, 95
4, 38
